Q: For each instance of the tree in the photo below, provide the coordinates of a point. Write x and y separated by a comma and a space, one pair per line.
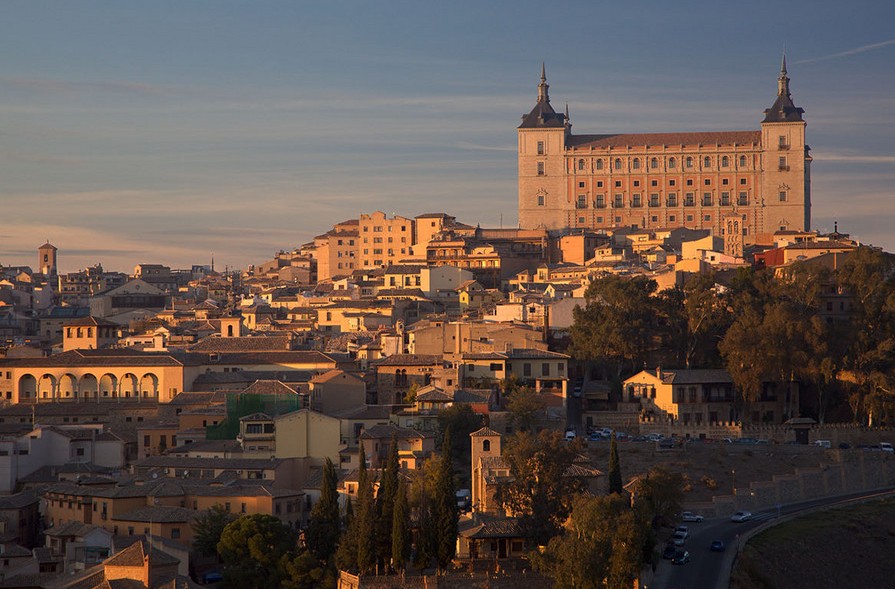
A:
658, 496
252, 547
303, 571
324, 526
540, 494
618, 325
599, 547
445, 511
615, 471
462, 421
400, 528
385, 503
207, 529
526, 408
365, 519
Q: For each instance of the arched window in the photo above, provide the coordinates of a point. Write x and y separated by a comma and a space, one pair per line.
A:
636, 164
742, 161
725, 161
599, 164
706, 162
672, 163
229, 331
654, 163
486, 446
618, 163
689, 161
581, 164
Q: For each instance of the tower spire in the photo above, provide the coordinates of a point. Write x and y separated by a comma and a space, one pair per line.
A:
543, 96
783, 79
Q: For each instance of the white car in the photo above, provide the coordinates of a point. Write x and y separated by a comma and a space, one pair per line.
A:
683, 530
741, 516
689, 516
679, 538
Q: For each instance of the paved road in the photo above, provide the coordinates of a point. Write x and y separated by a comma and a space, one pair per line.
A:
707, 569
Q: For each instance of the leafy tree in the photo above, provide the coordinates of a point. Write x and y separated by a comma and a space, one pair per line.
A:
208, 527
303, 571
365, 519
526, 408
462, 421
445, 511
600, 546
400, 528
324, 527
658, 496
252, 547
540, 494
615, 471
616, 327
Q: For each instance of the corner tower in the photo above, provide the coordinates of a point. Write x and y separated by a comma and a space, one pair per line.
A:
786, 163
541, 152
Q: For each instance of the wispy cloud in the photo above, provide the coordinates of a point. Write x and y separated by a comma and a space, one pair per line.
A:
854, 159
849, 52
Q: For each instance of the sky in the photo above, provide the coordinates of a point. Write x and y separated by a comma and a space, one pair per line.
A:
178, 131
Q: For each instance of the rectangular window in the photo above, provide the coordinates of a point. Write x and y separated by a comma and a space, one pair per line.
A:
782, 163
540, 203
599, 219
654, 200
618, 183
708, 182
599, 184
618, 219
601, 201
672, 218
781, 141
706, 199
526, 369
540, 168
619, 202
582, 201
743, 198
635, 201
782, 196
707, 218
545, 369
540, 148
672, 199
725, 199
689, 199
581, 185
690, 218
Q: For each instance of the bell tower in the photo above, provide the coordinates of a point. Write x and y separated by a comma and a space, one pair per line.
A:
46, 259
485, 444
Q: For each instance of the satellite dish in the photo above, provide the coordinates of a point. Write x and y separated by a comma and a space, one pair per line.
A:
155, 475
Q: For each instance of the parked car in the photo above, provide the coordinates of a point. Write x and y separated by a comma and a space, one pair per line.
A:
670, 551
681, 557
886, 447
570, 435
679, 538
689, 516
683, 530
741, 516
823, 444
595, 437
717, 546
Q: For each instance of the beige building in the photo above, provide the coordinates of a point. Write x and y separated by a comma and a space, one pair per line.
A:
756, 181
383, 241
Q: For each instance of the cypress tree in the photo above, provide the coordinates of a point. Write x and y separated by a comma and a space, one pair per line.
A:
324, 527
445, 507
615, 471
385, 502
400, 528
365, 518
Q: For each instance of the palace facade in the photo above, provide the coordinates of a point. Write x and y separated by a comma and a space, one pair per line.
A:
737, 183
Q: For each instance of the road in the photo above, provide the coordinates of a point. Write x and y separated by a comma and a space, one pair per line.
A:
707, 569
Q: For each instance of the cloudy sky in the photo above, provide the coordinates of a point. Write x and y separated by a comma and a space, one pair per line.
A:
173, 131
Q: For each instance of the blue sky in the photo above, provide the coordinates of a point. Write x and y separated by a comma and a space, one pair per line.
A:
171, 131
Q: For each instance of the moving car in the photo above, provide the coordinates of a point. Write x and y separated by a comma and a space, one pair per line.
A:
689, 516
741, 516
717, 546
682, 557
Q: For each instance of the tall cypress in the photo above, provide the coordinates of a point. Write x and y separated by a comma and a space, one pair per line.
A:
323, 529
365, 518
615, 471
445, 507
385, 503
400, 528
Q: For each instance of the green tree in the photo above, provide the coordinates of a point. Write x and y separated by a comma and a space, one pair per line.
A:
208, 527
462, 421
526, 408
304, 571
385, 503
658, 496
445, 507
615, 470
599, 547
365, 519
540, 493
400, 528
618, 325
324, 526
251, 548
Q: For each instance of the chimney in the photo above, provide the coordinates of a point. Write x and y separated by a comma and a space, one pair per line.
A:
659, 372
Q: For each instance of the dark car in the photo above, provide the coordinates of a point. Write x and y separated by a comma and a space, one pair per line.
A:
681, 557
669, 552
717, 546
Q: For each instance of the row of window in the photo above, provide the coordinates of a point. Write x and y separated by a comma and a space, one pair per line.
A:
378, 228
655, 219
655, 200
379, 240
671, 182
655, 163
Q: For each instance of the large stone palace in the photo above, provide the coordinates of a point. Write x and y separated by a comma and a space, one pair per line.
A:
733, 182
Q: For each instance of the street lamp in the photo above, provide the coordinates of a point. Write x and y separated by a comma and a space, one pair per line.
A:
733, 472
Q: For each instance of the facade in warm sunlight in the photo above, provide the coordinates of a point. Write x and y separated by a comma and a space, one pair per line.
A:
748, 182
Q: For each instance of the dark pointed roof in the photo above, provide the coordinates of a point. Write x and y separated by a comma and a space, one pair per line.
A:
543, 115
783, 110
